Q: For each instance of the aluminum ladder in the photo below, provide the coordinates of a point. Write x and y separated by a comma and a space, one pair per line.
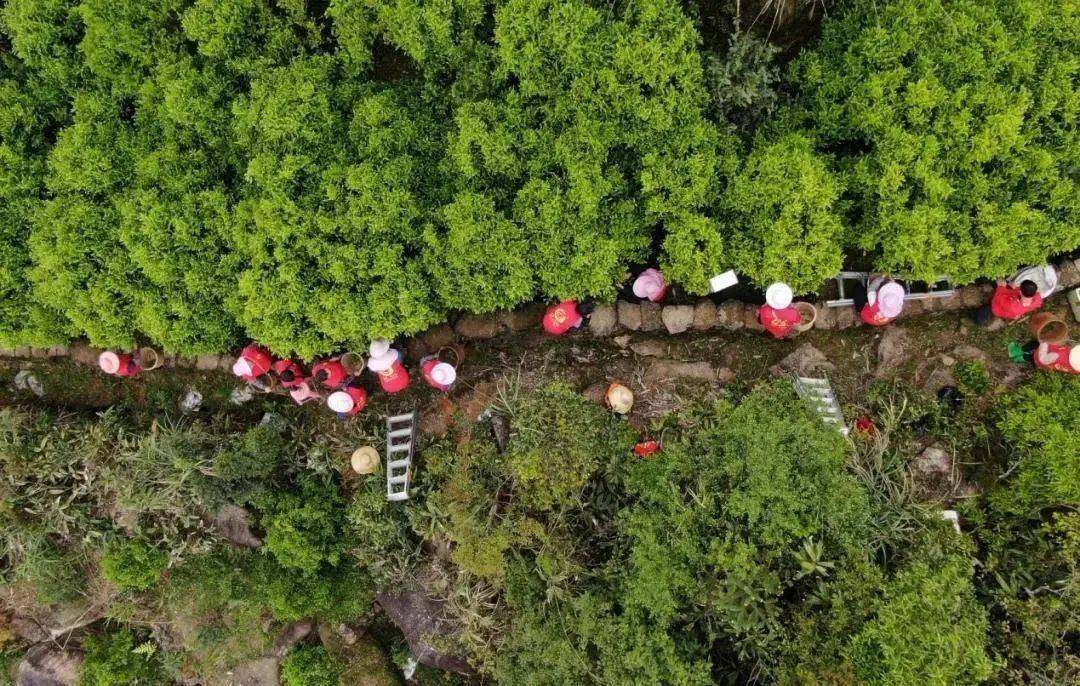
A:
819, 393
400, 447
942, 288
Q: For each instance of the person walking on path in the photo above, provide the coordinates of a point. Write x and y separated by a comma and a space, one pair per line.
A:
777, 314
881, 302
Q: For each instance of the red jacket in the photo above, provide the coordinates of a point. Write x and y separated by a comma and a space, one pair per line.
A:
1007, 303
394, 379
562, 317
282, 366
1060, 363
871, 314
335, 374
128, 367
780, 323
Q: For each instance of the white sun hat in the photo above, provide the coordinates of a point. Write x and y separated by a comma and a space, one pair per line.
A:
340, 401
1074, 358
109, 362
779, 295
379, 347
444, 374
380, 363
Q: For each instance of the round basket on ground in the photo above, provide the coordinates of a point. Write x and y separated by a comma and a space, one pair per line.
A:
809, 316
1049, 328
149, 359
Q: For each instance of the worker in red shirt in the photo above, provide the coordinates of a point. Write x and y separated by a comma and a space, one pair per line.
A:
777, 315
1057, 358
567, 315
393, 377
349, 401
438, 374
289, 373
1011, 302
882, 302
254, 361
330, 374
118, 364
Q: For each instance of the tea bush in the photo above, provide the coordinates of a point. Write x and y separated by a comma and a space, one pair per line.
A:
310, 666
133, 565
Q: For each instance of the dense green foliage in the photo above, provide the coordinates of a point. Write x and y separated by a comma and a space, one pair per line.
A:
313, 175
758, 544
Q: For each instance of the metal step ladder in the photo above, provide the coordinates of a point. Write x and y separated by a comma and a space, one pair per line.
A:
400, 447
819, 393
913, 290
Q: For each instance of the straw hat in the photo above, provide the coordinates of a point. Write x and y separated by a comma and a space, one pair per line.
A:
444, 374
1074, 358
380, 363
365, 460
778, 295
379, 347
649, 284
340, 401
242, 367
619, 398
109, 362
890, 299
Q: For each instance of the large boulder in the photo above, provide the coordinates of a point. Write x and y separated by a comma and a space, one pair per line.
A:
705, 315
423, 619
604, 320
652, 318
47, 664
729, 315
629, 315
892, 349
806, 360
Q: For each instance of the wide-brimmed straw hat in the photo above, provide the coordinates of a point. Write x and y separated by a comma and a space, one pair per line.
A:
364, 460
619, 398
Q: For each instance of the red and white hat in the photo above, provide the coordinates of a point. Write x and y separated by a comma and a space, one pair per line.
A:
109, 362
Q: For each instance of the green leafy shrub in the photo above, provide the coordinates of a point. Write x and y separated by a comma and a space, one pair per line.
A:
973, 377
310, 666
1038, 422
256, 454
303, 526
133, 565
948, 122
782, 206
117, 658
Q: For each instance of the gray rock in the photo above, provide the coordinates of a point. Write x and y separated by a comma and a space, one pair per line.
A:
806, 360
933, 461
892, 349
826, 317
729, 315
705, 317
844, 318
652, 318
967, 353
604, 320
84, 354
725, 375
623, 341
47, 664
422, 619
241, 395
478, 327
207, 363
500, 430
671, 370
234, 523
261, 672
677, 318
996, 324
629, 315
651, 348
750, 318
972, 296
522, 319
292, 634
192, 401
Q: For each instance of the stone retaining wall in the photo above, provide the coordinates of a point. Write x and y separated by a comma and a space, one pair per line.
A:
606, 321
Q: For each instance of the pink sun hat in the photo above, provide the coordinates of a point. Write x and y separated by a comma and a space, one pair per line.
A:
109, 362
650, 284
890, 299
242, 367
